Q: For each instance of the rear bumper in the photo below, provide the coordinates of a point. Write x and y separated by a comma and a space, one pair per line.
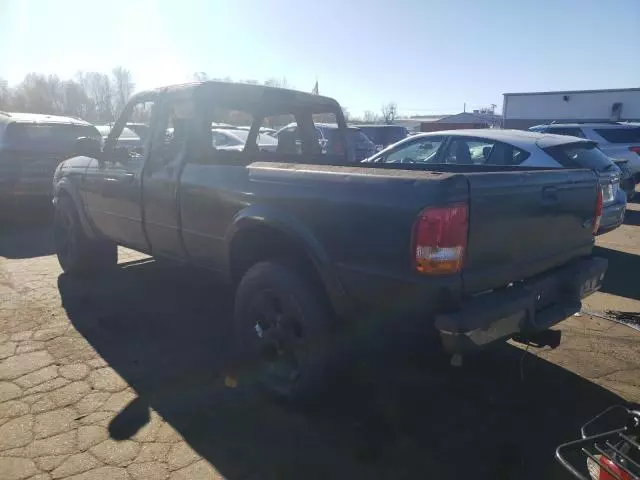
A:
533, 305
612, 216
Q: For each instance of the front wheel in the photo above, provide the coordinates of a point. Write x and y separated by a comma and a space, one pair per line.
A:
283, 324
76, 252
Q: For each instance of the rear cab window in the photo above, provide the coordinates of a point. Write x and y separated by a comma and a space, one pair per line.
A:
298, 124
620, 135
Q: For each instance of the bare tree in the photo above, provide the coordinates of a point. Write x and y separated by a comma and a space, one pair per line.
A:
370, 117
200, 76
123, 88
38, 93
98, 89
389, 112
277, 82
5, 95
76, 101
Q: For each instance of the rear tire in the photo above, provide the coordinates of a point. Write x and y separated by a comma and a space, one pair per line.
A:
76, 252
284, 325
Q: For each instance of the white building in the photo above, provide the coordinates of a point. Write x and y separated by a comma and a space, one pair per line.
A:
522, 110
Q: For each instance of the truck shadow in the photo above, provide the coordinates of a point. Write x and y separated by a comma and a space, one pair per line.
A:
25, 231
620, 278
632, 217
402, 413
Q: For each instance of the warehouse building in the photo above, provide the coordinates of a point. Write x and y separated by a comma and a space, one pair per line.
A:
523, 110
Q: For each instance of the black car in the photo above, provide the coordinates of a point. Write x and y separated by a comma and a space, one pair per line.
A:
31, 147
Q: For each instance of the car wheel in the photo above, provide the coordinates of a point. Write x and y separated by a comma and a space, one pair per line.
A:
76, 252
283, 326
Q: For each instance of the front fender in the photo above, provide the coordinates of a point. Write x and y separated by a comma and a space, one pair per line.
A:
255, 215
64, 186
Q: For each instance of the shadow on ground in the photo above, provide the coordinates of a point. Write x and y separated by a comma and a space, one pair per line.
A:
632, 217
402, 414
26, 231
623, 269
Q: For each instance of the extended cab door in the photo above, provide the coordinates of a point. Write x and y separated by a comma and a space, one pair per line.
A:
112, 187
160, 192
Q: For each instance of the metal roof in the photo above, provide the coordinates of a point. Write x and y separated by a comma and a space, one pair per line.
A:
565, 92
588, 124
11, 117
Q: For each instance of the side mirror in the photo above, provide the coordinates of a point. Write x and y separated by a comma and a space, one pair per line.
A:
88, 147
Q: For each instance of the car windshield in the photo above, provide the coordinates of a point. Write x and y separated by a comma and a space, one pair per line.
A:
49, 137
581, 155
620, 135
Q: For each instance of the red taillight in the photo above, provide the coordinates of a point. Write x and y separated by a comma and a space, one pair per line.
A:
605, 469
635, 150
598, 213
440, 239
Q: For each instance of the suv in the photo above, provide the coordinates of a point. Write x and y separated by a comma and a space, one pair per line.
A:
620, 141
31, 147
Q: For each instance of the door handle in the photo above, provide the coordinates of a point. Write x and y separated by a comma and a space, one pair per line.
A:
549, 195
129, 177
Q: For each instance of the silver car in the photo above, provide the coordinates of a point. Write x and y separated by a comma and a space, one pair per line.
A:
514, 148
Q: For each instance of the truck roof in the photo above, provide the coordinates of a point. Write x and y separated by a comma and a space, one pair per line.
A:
252, 93
18, 117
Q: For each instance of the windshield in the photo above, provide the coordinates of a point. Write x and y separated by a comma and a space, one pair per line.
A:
581, 155
49, 137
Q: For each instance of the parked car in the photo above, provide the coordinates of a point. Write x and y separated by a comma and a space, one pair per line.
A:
514, 148
31, 147
359, 146
384, 135
618, 140
235, 139
312, 246
128, 139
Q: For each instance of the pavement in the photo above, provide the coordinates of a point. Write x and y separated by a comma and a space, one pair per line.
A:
127, 376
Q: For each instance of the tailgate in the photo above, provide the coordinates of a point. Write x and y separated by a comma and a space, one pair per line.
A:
523, 223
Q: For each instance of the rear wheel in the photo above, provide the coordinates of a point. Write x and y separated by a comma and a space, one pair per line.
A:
283, 325
76, 252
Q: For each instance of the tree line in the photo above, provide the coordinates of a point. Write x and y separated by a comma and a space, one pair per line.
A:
99, 97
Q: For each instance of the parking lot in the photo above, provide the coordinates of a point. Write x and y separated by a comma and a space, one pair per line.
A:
128, 376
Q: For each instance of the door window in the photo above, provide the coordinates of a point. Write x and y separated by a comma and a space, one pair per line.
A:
130, 139
476, 151
423, 150
171, 139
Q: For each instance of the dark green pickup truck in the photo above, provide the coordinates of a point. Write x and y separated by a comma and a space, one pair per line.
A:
312, 242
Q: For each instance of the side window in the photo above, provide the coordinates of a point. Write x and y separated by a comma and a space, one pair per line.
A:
466, 151
423, 150
459, 151
132, 140
572, 131
170, 140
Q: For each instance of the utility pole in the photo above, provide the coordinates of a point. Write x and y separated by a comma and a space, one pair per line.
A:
464, 108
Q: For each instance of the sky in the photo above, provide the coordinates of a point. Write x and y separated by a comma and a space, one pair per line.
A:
428, 56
